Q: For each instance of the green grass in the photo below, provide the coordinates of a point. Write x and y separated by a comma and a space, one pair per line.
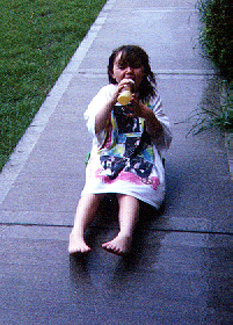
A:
215, 110
38, 38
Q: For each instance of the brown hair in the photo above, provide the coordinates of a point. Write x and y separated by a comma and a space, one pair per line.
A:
134, 55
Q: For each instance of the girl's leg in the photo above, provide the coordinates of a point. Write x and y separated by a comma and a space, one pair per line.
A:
128, 216
85, 213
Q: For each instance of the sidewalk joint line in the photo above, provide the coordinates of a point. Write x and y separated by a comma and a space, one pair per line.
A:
164, 10
224, 233
158, 71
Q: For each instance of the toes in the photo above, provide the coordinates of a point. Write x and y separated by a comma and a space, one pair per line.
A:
77, 246
79, 250
112, 247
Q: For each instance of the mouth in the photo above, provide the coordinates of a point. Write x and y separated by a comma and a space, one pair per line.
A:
129, 77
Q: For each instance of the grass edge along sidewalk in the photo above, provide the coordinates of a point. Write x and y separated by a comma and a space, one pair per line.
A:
38, 40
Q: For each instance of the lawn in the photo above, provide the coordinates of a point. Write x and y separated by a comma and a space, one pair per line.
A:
38, 38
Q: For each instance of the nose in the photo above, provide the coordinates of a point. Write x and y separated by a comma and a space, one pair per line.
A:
129, 69
129, 73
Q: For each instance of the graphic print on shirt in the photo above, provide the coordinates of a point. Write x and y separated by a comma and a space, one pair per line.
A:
131, 156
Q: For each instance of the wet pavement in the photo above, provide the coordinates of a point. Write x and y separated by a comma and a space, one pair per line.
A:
179, 269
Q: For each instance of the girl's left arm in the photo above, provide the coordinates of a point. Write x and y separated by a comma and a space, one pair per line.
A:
153, 125
157, 123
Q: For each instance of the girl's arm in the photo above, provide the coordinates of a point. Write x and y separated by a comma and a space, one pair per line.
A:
103, 115
153, 126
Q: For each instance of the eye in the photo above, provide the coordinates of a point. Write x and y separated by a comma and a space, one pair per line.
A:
121, 66
136, 65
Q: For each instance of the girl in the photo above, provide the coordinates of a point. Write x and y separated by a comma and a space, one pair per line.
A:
126, 156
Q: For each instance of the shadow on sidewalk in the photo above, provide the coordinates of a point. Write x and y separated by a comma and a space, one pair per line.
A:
105, 222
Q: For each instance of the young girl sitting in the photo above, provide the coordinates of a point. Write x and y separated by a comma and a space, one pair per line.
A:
128, 142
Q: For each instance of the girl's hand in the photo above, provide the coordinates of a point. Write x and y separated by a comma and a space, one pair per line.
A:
127, 83
153, 126
137, 108
124, 83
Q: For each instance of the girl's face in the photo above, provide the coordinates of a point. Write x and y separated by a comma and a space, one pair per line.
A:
123, 70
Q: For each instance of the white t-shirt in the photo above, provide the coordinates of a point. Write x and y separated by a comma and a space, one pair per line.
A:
124, 158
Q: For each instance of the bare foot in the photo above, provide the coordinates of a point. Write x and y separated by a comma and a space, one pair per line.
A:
119, 245
77, 245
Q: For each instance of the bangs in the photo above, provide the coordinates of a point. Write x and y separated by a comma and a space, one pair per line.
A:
130, 58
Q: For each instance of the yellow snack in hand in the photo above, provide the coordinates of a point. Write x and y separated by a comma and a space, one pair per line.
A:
125, 97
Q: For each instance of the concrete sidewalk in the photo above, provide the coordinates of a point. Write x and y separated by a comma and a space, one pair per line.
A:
179, 271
